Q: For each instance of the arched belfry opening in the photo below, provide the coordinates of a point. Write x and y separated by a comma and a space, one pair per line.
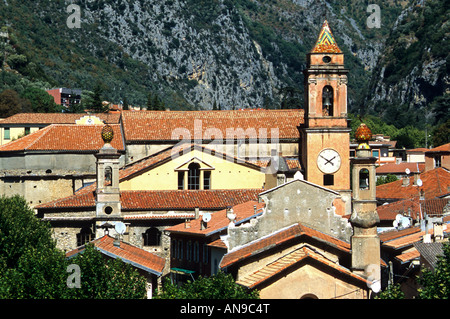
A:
327, 101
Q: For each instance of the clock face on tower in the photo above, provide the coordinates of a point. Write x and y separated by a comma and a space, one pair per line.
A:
329, 161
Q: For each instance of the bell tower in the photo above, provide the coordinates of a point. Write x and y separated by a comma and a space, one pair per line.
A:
365, 243
108, 205
325, 136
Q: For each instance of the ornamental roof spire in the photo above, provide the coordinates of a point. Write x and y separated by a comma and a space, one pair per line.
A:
325, 42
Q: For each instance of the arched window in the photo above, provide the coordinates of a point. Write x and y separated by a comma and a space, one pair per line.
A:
194, 176
84, 236
152, 237
364, 179
327, 101
108, 176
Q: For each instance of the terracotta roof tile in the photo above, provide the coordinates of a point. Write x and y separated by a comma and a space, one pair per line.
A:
219, 220
128, 253
57, 118
442, 148
165, 125
279, 237
435, 183
65, 137
394, 168
266, 272
408, 256
162, 200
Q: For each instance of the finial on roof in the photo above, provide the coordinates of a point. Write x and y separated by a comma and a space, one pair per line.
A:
107, 134
363, 135
325, 42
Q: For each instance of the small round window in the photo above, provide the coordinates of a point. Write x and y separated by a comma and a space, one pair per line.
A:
108, 210
326, 59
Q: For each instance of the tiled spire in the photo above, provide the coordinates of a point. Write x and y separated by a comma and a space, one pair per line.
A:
325, 42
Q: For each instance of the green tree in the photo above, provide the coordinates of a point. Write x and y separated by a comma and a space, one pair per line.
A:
30, 265
41, 101
106, 279
389, 178
441, 134
391, 292
96, 101
219, 286
436, 283
11, 103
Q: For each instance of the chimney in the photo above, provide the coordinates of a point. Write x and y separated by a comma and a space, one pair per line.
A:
187, 223
405, 181
197, 212
416, 178
116, 242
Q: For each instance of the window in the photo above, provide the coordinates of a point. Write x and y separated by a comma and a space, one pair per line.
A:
206, 180
194, 176
437, 161
196, 252
376, 153
205, 253
328, 180
364, 179
327, 101
189, 250
180, 180
27, 130
108, 175
174, 249
180, 249
152, 237
7, 131
84, 236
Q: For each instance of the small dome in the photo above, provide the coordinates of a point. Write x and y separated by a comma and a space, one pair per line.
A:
363, 134
107, 133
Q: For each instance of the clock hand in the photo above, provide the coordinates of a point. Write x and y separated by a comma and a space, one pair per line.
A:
328, 160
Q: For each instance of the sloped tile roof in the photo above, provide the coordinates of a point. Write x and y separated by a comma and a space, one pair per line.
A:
415, 207
57, 118
128, 253
219, 220
408, 255
430, 251
65, 137
170, 125
283, 263
435, 183
277, 238
442, 148
162, 199
394, 168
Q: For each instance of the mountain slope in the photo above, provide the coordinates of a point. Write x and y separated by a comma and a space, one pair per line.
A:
410, 84
235, 53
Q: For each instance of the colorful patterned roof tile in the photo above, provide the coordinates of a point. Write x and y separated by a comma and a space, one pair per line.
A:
325, 42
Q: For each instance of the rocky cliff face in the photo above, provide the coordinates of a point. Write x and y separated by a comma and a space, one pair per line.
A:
413, 69
194, 54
